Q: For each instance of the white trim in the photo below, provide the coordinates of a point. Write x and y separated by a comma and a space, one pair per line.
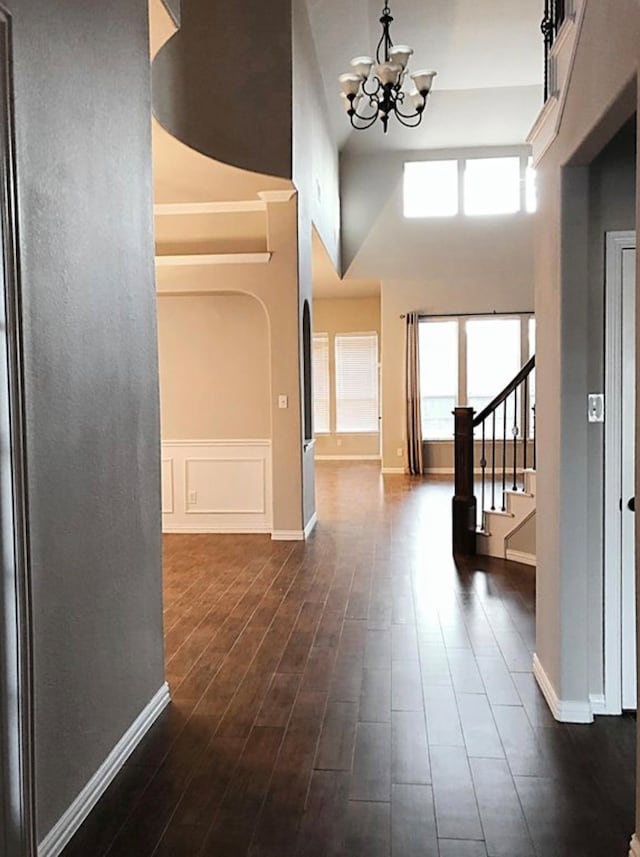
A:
392, 471
271, 196
213, 259
547, 125
634, 848
60, 835
232, 481
226, 442
438, 471
347, 458
598, 703
564, 710
219, 530
313, 521
287, 536
168, 209
617, 242
520, 556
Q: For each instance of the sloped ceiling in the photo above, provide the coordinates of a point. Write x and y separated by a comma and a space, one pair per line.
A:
488, 56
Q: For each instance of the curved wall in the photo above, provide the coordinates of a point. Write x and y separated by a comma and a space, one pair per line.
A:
222, 83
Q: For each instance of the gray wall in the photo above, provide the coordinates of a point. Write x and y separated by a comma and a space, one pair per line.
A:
316, 177
222, 84
611, 208
81, 74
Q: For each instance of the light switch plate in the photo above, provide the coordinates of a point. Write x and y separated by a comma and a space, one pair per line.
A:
283, 402
596, 407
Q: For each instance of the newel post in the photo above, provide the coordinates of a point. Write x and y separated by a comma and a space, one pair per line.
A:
464, 501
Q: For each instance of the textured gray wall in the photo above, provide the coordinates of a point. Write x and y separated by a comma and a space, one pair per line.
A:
81, 74
222, 84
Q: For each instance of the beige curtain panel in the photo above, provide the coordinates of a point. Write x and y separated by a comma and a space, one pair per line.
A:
413, 413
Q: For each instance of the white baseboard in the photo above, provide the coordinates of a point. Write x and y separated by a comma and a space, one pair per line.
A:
388, 471
521, 557
634, 849
564, 710
439, 471
58, 838
347, 458
221, 530
313, 520
599, 704
287, 536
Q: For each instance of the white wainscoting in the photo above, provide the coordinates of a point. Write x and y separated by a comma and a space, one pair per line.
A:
216, 486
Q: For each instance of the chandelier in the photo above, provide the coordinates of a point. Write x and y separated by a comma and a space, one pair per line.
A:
368, 97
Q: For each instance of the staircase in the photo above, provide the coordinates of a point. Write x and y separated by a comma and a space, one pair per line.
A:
495, 515
511, 534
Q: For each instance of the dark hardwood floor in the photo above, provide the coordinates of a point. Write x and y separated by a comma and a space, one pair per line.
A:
360, 695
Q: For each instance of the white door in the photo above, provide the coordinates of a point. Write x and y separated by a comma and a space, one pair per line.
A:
628, 479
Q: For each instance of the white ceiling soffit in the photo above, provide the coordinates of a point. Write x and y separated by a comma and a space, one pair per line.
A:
489, 45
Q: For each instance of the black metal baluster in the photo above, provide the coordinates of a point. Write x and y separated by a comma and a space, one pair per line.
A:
516, 432
483, 467
547, 33
493, 463
504, 454
526, 427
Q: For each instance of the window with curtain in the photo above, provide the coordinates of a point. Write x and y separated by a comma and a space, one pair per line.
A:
495, 350
356, 370
438, 378
321, 386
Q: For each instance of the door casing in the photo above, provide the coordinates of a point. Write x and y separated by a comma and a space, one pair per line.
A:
617, 316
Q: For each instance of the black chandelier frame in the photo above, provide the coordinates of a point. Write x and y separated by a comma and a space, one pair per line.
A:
386, 98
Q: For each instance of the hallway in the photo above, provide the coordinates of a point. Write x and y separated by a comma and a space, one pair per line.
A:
360, 695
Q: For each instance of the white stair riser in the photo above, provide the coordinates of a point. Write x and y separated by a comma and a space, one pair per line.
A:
520, 505
490, 545
530, 482
499, 526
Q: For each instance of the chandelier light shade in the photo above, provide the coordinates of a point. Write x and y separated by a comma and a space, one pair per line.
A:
374, 88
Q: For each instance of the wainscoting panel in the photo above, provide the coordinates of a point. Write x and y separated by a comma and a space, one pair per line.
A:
167, 486
216, 486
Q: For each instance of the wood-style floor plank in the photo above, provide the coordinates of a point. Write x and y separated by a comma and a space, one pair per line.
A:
360, 693
413, 823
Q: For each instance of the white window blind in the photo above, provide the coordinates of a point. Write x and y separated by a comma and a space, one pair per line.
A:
356, 382
321, 390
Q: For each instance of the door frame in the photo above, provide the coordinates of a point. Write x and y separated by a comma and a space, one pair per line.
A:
616, 244
17, 785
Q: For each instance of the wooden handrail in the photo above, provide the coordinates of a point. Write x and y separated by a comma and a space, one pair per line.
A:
526, 370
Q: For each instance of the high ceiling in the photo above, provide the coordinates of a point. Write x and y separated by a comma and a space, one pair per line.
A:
488, 56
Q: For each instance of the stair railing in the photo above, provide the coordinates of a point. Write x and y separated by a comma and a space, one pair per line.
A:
555, 12
503, 461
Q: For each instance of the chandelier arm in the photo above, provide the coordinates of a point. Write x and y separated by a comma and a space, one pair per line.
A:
380, 44
369, 122
399, 112
409, 124
364, 118
374, 93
